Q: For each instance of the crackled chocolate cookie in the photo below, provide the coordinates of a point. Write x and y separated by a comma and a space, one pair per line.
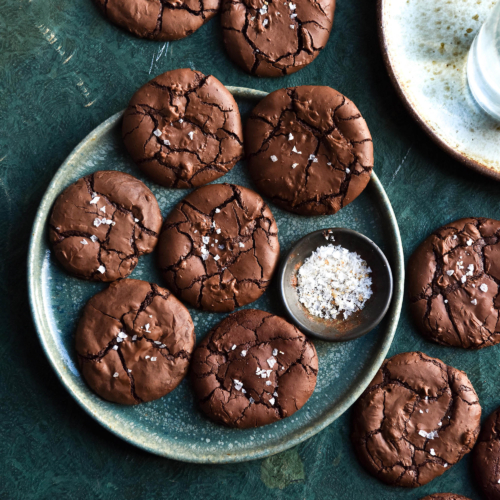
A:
102, 224
183, 129
134, 342
453, 281
445, 496
219, 247
309, 149
417, 418
486, 457
275, 38
252, 369
159, 19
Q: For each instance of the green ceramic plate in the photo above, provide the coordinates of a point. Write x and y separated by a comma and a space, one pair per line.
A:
173, 426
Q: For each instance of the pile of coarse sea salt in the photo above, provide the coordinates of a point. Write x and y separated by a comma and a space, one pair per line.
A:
334, 280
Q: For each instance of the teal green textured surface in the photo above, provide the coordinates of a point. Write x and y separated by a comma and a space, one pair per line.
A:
51, 96
173, 426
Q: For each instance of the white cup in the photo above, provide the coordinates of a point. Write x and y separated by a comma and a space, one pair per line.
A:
483, 66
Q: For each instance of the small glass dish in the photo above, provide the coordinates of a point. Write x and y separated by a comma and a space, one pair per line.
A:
358, 323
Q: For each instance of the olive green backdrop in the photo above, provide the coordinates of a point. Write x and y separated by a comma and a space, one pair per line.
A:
63, 70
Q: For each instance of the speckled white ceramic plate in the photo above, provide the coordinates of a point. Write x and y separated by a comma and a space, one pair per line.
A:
425, 45
173, 426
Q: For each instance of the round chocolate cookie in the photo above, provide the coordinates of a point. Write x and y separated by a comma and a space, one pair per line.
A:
445, 496
486, 457
159, 19
275, 38
219, 247
134, 342
253, 369
453, 281
183, 129
309, 149
102, 224
417, 418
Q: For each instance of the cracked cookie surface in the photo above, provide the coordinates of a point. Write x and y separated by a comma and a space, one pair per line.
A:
219, 247
159, 19
309, 149
252, 369
454, 278
445, 496
134, 342
273, 37
417, 418
102, 224
183, 129
486, 457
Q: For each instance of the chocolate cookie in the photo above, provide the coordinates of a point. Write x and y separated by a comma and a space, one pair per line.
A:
453, 281
445, 496
275, 38
417, 418
309, 149
219, 247
183, 129
102, 224
134, 342
159, 19
486, 457
253, 369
